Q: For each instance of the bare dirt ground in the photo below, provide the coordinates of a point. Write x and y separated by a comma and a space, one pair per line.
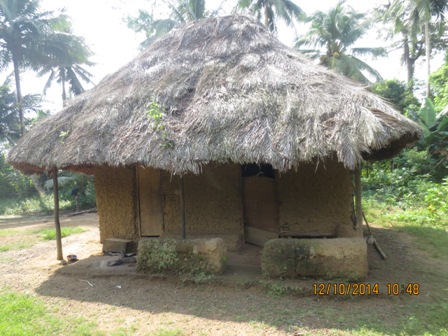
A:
240, 302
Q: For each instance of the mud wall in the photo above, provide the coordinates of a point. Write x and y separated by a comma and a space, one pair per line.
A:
317, 200
115, 198
213, 203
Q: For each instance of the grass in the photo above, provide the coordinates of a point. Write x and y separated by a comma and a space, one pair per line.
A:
19, 246
25, 315
31, 205
431, 235
50, 234
8, 232
28, 238
167, 332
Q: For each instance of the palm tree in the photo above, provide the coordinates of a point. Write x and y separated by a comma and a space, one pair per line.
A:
417, 15
333, 34
9, 120
182, 11
271, 10
23, 28
66, 67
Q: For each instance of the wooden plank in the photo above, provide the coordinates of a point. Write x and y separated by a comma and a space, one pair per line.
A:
150, 201
258, 237
293, 234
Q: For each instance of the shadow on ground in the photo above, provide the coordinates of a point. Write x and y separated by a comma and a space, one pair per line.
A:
243, 295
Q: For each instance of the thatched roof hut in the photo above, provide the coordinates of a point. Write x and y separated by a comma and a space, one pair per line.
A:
220, 90
224, 99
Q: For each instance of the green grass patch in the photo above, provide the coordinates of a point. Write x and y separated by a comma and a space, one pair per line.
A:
8, 232
25, 315
19, 246
50, 234
427, 320
430, 232
168, 332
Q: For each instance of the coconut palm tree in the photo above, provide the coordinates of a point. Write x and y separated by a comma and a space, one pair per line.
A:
272, 10
417, 15
66, 67
332, 36
181, 11
23, 29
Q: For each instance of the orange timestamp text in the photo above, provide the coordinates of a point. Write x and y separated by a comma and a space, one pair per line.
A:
361, 289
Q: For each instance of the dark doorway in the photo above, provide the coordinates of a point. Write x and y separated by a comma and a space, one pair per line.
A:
259, 203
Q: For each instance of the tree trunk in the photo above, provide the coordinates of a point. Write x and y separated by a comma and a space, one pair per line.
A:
266, 17
19, 97
37, 185
64, 93
408, 62
428, 57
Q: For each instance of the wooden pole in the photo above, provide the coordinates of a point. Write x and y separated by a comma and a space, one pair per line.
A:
182, 209
358, 200
57, 224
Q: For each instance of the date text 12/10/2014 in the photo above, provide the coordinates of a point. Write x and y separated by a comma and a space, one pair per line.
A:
365, 289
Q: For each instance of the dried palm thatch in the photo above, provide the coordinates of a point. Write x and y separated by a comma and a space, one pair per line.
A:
223, 90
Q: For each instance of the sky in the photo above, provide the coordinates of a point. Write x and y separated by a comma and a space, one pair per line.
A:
101, 23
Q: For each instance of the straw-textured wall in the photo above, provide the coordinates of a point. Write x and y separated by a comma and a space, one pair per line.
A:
213, 203
317, 200
115, 198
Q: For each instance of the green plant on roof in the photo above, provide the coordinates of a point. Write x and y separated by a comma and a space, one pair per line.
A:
63, 135
155, 116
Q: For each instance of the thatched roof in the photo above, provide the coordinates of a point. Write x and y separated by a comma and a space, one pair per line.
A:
228, 91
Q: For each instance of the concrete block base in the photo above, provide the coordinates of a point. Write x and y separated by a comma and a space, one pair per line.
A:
338, 258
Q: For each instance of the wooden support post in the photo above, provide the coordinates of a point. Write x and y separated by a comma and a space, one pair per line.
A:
57, 224
182, 209
358, 198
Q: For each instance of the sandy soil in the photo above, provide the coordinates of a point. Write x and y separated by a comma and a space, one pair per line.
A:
240, 302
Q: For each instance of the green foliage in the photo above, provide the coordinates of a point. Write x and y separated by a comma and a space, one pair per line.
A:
67, 181
50, 234
180, 12
269, 11
31, 205
13, 184
158, 256
410, 189
439, 84
172, 256
155, 115
435, 135
9, 114
17, 195
398, 94
66, 68
332, 36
